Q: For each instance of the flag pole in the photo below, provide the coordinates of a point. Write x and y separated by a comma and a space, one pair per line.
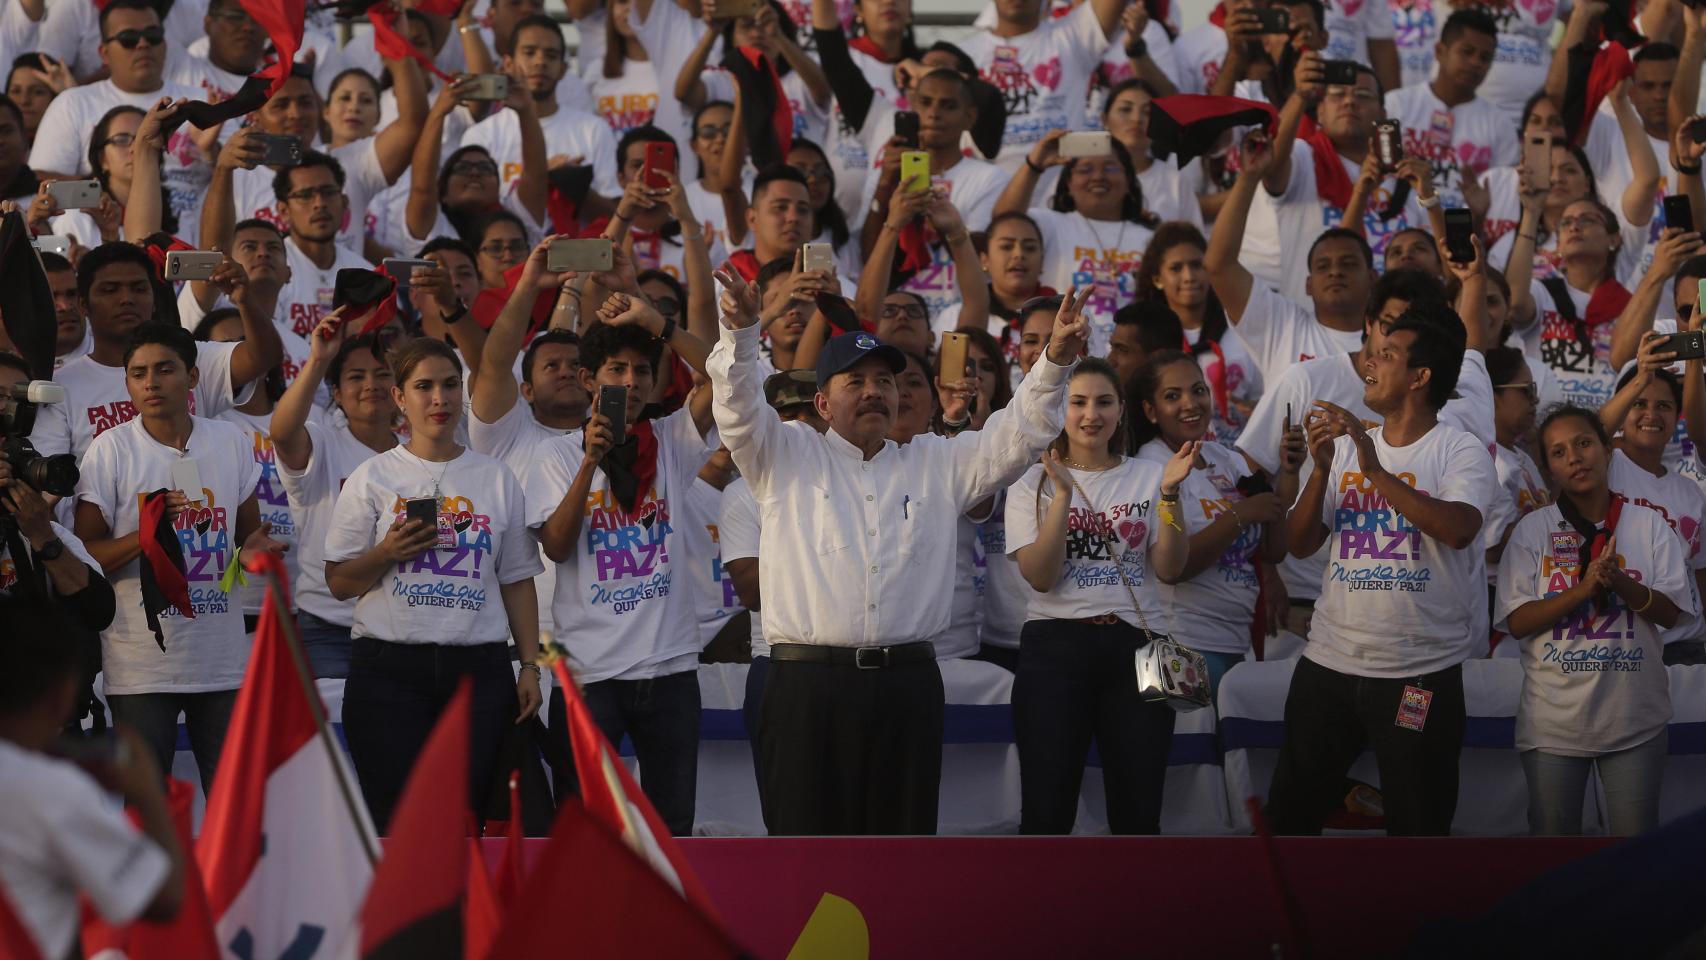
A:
293, 642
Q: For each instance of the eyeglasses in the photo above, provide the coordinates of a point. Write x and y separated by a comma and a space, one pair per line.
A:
313, 193
1584, 222
474, 168
1531, 391
912, 311
815, 173
128, 39
712, 131
120, 140
498, 248
667, 306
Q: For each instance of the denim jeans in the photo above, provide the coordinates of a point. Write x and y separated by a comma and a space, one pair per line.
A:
155, 717
1218, 664
394, 696
1076, 682
661, 716
1631, 779
327, 646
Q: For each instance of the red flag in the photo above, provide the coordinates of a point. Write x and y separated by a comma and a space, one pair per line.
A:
511, 868
286, 845
413, 908
490, 302
16, 940
482, 912
1611, 65
189, 935
282, 21
612, 798
602, 900
391, 45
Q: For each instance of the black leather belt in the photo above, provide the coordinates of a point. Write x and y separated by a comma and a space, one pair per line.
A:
865, 658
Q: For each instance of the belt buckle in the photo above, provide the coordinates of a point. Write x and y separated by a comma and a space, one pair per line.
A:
859, 658
1106, 619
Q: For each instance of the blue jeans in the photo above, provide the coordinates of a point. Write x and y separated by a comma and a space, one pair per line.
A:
326, 644
394, 696
155, 717
1075, 683
1631, 779
661, 716
1218, 664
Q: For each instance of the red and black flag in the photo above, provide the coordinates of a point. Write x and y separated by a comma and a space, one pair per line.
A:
283, 22
1188, 124
164, 576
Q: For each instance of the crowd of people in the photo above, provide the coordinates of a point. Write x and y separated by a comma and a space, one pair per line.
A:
1403, 370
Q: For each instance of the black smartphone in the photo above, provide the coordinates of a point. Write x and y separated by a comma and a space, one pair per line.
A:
1697, 130
1459, 231
906, 128
1340, 73
1679, 215
1254, 485
280, 150
1686, 344
1389, 143
424, 509
613, 406
1273, 19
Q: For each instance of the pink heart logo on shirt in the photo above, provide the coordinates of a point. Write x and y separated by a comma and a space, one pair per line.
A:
1133, 533
1048, 74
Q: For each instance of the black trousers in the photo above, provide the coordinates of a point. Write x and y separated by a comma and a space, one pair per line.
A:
851, 751
392, 699
1077, 682
1331, 717
1007, 658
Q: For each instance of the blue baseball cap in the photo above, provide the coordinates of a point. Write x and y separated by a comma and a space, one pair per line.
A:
847, 349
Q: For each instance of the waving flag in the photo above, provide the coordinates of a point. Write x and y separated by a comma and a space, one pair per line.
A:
286, 847
189, 935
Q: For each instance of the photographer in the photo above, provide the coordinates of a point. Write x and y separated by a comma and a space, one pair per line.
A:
35, 552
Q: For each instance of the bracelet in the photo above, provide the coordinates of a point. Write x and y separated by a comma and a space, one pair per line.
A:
1693, 171
526, 664
618, 216
690, 237
668, 329
1137, 49
957, 425
1034, 168
1643, 607
1170, 497
468, 28
450, 319
1167, 516
1524, 236
958, 238
1428, 203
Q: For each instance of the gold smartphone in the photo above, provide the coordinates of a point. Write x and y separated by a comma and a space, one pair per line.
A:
953, 356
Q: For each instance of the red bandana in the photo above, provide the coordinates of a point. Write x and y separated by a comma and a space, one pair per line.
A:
1607, 303
1332, 183
869, 48
158, 246
391, 45
164, 584
491, 300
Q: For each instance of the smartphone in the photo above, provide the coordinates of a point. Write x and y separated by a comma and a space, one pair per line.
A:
730, 9
1459, 228
401, 269
186, 476
660, 159
906, 128
53, 243
424, 509
1697, 130
1537, 159
1253, 484
915, 171
1094, 143
591, 255
1678, 213
1389, 143
1288, 417
952, 362
817, 256
1686, 344
1273, 19
280, 150
613, 406
75, 194
192, 264
1340, 73
486, 86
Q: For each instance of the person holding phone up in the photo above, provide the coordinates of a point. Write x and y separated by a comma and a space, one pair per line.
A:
435, 601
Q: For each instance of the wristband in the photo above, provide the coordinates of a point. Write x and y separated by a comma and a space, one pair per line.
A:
1034, 168
957, 425
450, 319
468, 28
1427, 203
1643, 607
1137, 48
1693, 171
668, 329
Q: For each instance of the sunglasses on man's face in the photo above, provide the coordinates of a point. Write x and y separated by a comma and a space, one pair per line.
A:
129, 39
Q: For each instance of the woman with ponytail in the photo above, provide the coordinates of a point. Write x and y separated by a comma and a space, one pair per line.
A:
1586, 586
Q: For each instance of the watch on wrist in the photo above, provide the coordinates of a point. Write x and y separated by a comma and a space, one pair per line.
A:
668, 329
1137, 48
52, 550
450, 319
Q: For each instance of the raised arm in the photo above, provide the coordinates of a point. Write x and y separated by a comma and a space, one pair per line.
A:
292, 444
1643, 189
142, 215
852, 91
420, 210
396, 143
1108, 16
1309, 84
817, 85
879, 259
261, 349
690, 79
1685, 89
531, 188
1636, 320
1231, 282
749, 428
1519, 267
219, 207
701, 306
495, 390
968, 271
1648, 362
1021, 190
474, 51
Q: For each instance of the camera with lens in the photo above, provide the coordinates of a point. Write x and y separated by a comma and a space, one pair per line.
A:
56, 474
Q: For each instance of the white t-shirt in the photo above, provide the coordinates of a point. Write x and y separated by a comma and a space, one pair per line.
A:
62, 139
517, 438
618, 609
1199, 53
1080, 252
1281, 332
448, 595
1521, 492
62, 838
1005, 592
1331, 378
1582, 371
1351, 24
1394, 601
1212, 610
1043, 76
630, 100
313, 495
1170, 191
1121, 507
209, 650
737, 535
1595, 682
714, 598
973, 187
252, 191
1415, 25
270, 497
1463, 140
1471, 407
308, 296
971, 582
1673, 496
96, 399
568, 132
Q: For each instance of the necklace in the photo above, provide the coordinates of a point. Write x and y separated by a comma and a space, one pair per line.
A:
436, 481
1084, 466
1107, 257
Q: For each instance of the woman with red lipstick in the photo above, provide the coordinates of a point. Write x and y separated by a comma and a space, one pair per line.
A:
436, 600
1588, 585
1092, 531
1231, 522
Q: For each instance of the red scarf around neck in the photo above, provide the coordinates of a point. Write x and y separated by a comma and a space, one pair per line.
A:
1332, 184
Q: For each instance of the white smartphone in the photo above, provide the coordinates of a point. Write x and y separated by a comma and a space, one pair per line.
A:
75, 194
186, 476
53, 243
192, 264
1090, 143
